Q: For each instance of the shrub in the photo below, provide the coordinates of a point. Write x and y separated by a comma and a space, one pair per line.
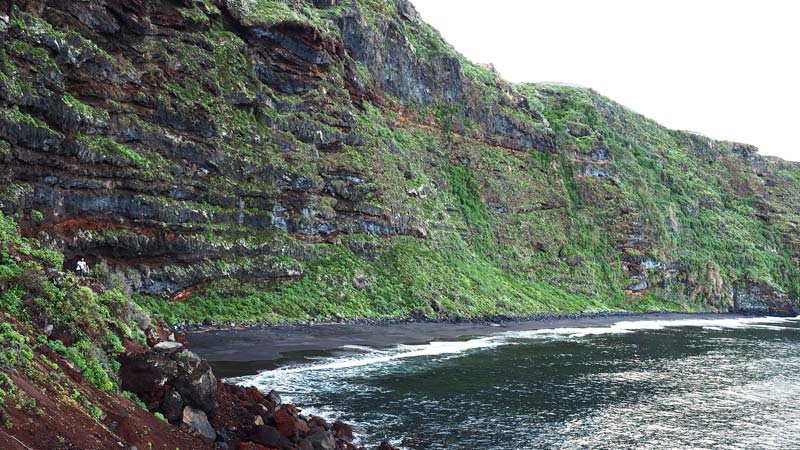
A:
14, 348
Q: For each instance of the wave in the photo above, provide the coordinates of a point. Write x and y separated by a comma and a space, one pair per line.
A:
633, 326
379, 358
316, 383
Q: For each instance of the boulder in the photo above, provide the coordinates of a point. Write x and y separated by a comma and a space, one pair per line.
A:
196, 382
197, 421
387, 446
268, 436
288, 422
317, 424
305, 444
172, 406
274, 398
147, 375
322, 440
152, 375
407, 10
343, 431
168, 347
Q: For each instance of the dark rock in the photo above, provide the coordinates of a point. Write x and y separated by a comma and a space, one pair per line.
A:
196, 382
305, 444
387, 446
149, 374
407, 10
639, 286
269, 436
275, 399
172, 406
197, 422
758, 298
322, 440
343, 431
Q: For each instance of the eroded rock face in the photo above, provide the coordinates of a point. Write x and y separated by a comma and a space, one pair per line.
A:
188, 145
763, 299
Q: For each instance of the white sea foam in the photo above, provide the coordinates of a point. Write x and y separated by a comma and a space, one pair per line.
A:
337, 375
633, 326
373, 357
366, 358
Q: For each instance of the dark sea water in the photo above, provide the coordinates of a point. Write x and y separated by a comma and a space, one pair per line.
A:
725, 383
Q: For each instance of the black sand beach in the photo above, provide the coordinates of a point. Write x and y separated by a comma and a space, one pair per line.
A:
237, 352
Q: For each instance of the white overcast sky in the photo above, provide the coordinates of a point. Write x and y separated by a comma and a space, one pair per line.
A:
726, 69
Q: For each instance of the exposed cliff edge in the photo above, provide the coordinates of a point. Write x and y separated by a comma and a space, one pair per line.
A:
272, 160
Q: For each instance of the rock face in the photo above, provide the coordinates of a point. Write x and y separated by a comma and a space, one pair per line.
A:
317, 158
157, 378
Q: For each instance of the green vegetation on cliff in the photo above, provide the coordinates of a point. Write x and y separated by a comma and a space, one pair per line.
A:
287, 159
32, 301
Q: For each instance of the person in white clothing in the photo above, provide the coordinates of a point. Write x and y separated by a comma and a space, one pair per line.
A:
82, 268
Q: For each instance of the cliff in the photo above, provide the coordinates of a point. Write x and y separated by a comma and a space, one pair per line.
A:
264, 160
82, 367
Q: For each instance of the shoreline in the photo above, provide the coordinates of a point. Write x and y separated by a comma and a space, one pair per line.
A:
244, 351
198, 328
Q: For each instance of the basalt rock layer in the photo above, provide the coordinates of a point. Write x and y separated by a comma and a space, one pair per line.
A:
270, 160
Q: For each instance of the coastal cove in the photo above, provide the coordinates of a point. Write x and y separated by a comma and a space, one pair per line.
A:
244, 350
616, 382
217, 213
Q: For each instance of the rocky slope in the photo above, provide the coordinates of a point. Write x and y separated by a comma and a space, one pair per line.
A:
271, 160
82, 367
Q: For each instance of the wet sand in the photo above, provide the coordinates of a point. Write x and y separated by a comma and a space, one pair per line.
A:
248, 351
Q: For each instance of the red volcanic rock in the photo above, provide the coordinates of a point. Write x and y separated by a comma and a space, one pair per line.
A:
343, 431
181, 337
182, 296
253, 395
288, 422
157, 334
65, 336
317, 424
133, 347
